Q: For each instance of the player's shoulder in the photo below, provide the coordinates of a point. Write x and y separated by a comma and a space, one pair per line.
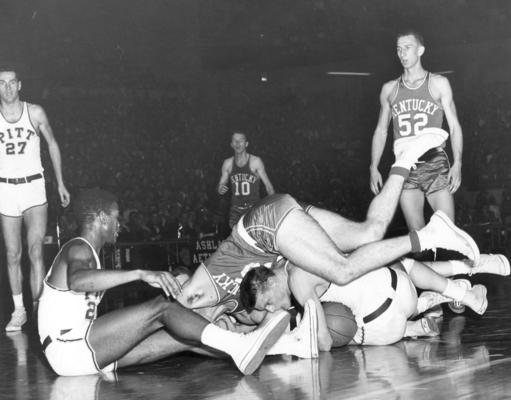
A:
77, 247
35, 111
389, 87
438, 80
255, 160
228, 162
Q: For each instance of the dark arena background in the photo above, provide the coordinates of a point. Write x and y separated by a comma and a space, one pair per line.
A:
143, 97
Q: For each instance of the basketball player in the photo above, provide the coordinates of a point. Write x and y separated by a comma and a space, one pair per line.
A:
314, 239
22, 188
77, 342
243, 172
382, 301
419, 99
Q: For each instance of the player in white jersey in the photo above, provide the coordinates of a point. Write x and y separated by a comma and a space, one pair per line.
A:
78, 342
22, 187
382, 301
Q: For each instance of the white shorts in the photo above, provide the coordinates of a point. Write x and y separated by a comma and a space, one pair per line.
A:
71, 354
390, 326
16, 199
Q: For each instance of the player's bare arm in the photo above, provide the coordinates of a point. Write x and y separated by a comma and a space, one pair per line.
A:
222, 187
258, 167
305, 286
83, 275
41, 123
441, 89
380, 137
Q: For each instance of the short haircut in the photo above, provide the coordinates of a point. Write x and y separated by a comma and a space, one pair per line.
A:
10, 68
253, 283
412, 32
90, 202
239, 133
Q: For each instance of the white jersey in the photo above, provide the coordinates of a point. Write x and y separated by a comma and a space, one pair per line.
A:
61, 310
20, 147
364, 294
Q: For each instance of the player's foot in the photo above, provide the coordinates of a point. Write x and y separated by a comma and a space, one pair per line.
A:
435, 312
442, 233
423, 327
457, 306
253, 346
18, 319
409, 149
306, 334
496, 264
428, 300
475, 298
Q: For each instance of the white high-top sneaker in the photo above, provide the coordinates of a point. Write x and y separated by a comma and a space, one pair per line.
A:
496, 264
440, 232
408, 149
303, 340
249, 351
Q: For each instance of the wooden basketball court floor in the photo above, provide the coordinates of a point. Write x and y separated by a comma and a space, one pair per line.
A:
471, 359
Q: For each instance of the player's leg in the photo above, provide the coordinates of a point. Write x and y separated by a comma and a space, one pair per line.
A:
304, 242
157, 346
427, 279
115, 334
412, 206
11, 229
442, 200
349, 235
383, 206
35, 223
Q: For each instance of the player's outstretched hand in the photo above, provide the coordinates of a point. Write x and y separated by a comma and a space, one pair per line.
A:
164, 280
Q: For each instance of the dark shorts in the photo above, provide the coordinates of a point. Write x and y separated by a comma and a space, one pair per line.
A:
236, 212
252, 241
431, 173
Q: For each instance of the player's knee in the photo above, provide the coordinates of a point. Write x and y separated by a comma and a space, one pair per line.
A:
35, 251
13, 257
374, 231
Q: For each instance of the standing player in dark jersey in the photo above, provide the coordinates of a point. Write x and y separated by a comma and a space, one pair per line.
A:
243, 172
418, 100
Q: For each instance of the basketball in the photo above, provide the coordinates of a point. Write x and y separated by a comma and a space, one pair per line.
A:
341, 323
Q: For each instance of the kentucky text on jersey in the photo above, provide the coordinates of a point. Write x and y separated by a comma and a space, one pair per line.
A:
226, 283
243, 178
408, 105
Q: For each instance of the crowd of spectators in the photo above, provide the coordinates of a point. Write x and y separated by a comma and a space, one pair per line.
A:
161, 154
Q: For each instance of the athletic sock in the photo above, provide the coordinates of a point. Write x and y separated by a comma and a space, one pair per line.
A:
459, 267
218, 338
18, 301
456, 292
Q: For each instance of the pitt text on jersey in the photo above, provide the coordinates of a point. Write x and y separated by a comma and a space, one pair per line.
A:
15, 142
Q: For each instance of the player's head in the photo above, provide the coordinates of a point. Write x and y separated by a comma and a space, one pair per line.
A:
10, 84
239, 142
261, 289
98, 209
410, 47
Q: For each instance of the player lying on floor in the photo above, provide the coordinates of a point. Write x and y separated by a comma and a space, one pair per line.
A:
382, 301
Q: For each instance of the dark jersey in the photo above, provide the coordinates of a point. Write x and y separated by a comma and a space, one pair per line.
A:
414, 109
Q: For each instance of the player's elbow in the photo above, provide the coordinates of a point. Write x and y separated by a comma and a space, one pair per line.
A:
343, 275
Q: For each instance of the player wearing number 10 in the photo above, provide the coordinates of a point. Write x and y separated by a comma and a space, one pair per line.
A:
22, 187
243, 171
417, 100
